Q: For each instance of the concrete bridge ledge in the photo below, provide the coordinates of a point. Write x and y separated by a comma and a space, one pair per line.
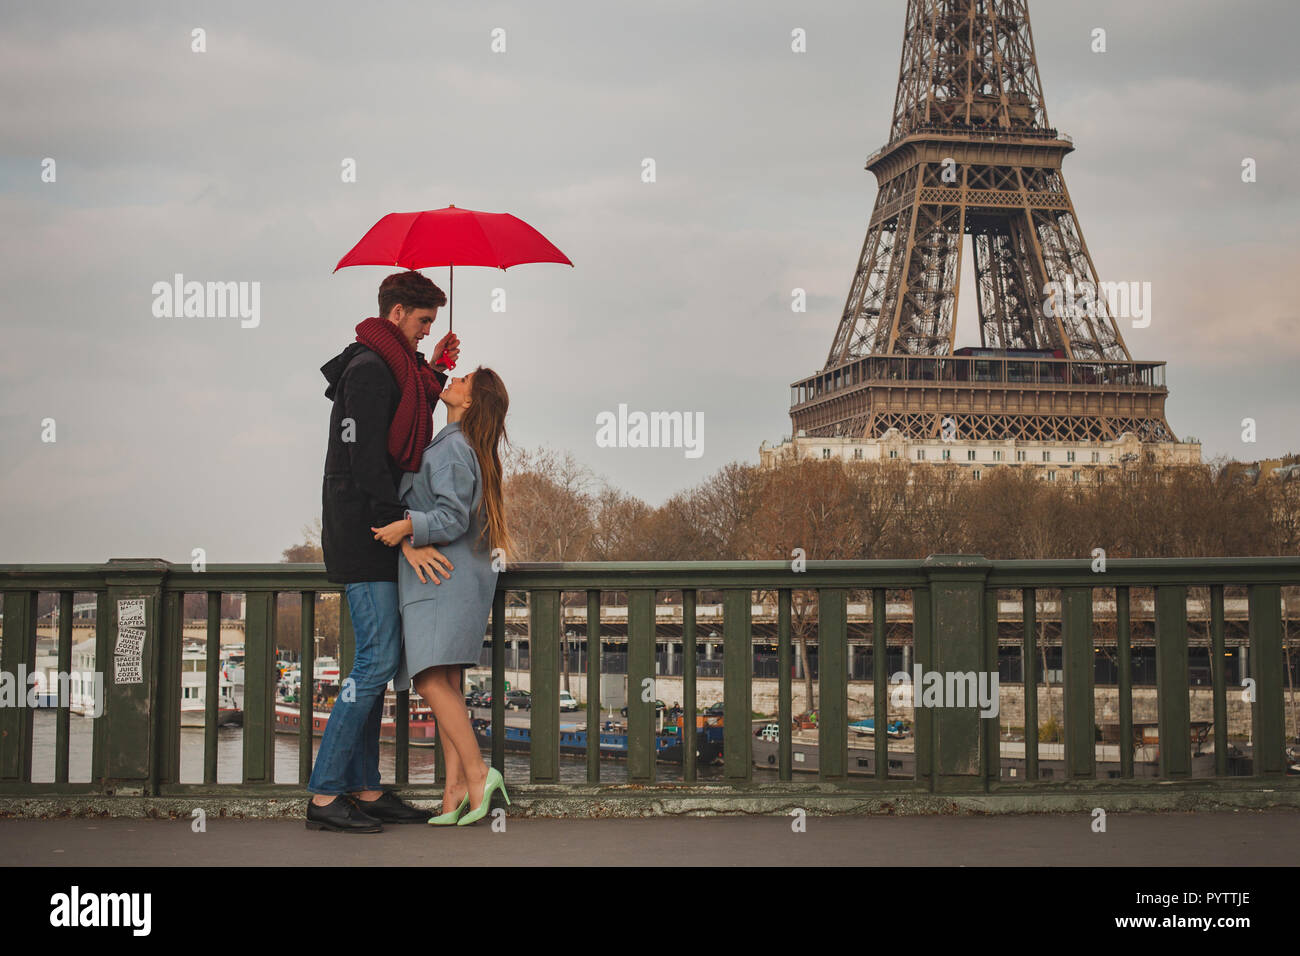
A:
542, 802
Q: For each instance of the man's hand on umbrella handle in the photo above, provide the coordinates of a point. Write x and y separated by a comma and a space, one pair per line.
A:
447, 351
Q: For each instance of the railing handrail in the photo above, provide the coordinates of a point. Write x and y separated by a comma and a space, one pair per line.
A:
699, 575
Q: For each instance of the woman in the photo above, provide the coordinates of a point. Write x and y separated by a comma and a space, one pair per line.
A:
454, 502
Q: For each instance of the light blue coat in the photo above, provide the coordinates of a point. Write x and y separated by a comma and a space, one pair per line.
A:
445, 623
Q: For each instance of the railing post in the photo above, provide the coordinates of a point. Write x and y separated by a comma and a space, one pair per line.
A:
131, 672
167, 762
922, 724
958, 647
593, 685
1123, 637
402, 734
642, 745
1079, 667
1029, 678
259, 687
64, 719
306, 686
784, 663
544, 675
19, 657
880, 681
1218, 676
103, 658
992, 756
737, 685
1267, 666
1172, 702
832, 684
498, 683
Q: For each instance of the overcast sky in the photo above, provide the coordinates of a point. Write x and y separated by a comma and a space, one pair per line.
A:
177, 433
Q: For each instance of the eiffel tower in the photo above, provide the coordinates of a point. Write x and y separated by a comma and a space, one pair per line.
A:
971, 152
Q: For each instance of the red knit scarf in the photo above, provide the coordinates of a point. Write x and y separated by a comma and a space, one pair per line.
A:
412, 425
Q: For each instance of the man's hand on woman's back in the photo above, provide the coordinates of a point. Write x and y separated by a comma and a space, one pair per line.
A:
426, 560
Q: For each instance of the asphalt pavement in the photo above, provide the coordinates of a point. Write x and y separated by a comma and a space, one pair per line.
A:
1227, 838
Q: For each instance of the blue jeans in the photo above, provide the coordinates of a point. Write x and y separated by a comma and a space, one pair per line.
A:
348, 760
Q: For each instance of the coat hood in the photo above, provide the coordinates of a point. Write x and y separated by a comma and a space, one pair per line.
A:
333, 369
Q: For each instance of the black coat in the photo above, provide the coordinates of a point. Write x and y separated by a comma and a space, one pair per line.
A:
361, 478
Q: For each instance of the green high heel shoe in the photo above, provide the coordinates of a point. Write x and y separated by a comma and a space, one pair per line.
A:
494, 782
448, 819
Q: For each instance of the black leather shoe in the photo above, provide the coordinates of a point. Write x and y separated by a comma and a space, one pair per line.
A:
390, 809
342, 816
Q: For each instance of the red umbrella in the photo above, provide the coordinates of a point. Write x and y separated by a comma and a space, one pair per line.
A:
444, 237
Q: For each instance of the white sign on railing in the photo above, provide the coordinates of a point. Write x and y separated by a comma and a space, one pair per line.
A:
128, 653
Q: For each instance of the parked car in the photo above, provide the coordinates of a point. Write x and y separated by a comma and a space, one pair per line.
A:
519, 700
568, 701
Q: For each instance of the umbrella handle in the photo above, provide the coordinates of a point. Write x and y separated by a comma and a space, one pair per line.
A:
451, 306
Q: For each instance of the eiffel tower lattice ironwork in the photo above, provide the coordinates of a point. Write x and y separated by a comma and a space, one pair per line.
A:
971, 152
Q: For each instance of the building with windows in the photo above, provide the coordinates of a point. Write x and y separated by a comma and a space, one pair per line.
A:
1061, 461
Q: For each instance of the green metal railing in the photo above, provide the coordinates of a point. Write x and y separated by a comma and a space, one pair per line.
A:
136, 743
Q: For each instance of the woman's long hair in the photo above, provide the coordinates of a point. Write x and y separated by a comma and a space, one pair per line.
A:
484, 427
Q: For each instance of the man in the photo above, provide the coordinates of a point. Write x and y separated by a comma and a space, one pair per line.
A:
383, 394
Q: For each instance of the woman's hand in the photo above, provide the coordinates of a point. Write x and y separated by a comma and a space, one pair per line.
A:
427, 559
390, 534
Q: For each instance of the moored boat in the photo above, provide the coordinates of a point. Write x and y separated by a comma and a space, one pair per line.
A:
194, 691
613, 741
423, 728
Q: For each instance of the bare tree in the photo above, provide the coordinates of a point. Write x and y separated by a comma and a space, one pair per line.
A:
806, 505
549, 505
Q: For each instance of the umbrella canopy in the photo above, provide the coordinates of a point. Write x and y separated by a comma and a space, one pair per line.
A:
451, 237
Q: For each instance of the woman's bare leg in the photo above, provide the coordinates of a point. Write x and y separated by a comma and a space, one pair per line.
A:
442, 691
455, 786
